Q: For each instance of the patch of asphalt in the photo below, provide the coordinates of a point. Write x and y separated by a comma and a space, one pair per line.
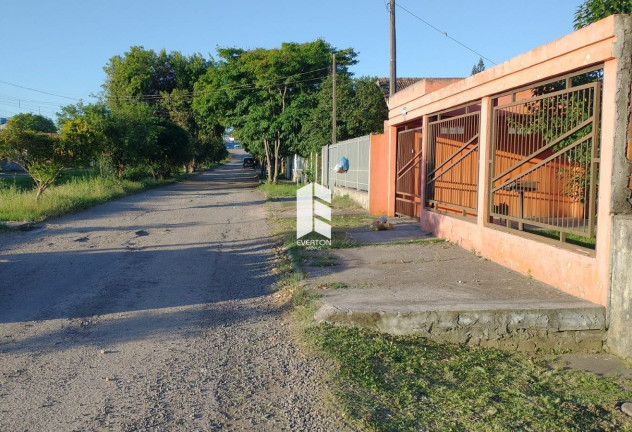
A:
153, 312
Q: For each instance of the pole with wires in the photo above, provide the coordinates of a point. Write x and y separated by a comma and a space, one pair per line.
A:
393, 79
334, 115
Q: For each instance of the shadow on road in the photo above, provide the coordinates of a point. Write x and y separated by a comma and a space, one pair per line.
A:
140, 266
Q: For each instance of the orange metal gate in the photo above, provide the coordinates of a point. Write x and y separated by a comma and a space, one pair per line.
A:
545, 160
452, 161
408, 179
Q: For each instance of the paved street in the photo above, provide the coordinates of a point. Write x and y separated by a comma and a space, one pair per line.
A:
153, 313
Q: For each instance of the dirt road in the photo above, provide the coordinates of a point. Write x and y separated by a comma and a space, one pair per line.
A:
152, 313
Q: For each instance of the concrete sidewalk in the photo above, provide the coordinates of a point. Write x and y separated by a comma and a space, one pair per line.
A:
404, 229
444, 292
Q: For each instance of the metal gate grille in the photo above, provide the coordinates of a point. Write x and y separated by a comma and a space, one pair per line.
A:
545, 158
408, 179
452, 163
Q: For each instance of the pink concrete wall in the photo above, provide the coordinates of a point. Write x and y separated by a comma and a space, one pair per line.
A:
379, 178
576, 271
392, 167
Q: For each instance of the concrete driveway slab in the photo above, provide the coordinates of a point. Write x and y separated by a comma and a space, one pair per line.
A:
443, 291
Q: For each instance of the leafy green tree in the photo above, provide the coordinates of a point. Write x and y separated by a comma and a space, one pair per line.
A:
361, 109
81, 127
479, 67
263, 92
32, 122
119, 139
316, 129
594, 10
131, 134
368, 109
169, 149
31, 141
131, 77
161, 86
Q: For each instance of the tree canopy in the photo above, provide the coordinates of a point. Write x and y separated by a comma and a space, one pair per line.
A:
163, 111
266, 93
594, 10
32, 122
31, 141
148, 97
279, 101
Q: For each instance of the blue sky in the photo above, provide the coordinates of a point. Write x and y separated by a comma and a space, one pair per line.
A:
60, 47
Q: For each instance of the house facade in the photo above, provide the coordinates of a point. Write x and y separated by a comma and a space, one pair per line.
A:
528, 163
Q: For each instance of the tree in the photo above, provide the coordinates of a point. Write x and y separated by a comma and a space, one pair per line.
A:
479, 67
31, 141
81, 129
262, 91
149, 87
33, 122
316, 130
361, 109
168, 148
131, 77
368, 109
594, 10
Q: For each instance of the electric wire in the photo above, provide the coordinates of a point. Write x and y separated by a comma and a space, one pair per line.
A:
444, 33
35, 106
38, 91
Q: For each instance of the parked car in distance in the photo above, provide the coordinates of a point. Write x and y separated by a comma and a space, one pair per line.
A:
250, 162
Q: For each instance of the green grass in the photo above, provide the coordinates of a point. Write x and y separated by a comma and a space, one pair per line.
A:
323, 261
19, 182
345, 202
76, 192
281, 190
388, 383
574, 239
24, 182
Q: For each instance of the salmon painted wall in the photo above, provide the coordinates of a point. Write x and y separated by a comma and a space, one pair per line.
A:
379, 178
574, 272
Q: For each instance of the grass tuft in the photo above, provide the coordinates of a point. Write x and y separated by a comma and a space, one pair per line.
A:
280, 190
17, 201
574, 239
389, 383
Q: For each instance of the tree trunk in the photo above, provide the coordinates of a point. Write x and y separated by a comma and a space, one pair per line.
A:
40, 191
266, 144
277, 146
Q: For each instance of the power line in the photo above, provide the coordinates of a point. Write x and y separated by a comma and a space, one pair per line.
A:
38, 91
444, 33
28, 104
27, 101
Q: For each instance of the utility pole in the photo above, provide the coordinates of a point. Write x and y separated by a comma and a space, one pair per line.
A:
334, 116
393, 81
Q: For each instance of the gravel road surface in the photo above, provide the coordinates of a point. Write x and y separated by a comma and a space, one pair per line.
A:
153, 312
